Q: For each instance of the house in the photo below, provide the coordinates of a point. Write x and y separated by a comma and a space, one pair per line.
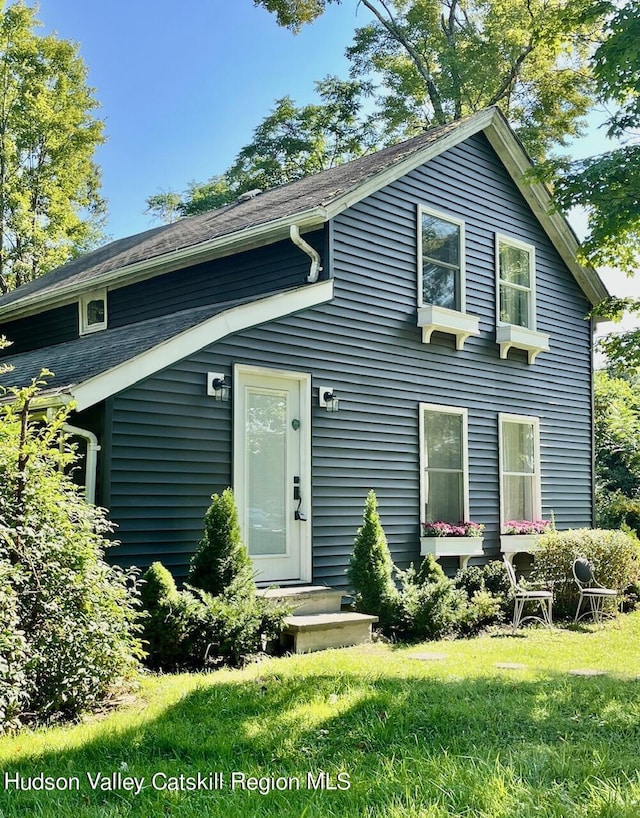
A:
413, 321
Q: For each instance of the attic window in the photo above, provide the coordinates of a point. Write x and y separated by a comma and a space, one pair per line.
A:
93, 312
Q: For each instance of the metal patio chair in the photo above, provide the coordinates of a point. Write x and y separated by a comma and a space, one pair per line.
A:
591, 590
523, 595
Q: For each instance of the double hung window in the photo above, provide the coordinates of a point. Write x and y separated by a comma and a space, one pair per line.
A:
519, 468
441, 245
516, 283
444, 472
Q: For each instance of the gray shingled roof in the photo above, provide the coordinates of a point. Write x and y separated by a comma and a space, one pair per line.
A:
296, 197
76, 361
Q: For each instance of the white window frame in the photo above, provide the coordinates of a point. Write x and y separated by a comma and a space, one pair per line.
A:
446, 217
83, 303
449, 410
533, 421
530, 248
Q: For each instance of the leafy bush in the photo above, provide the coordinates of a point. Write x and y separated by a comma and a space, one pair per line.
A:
429, 605
13, 652
489, 596
70, 613
614, 556
615, 510
370, 569
221, 564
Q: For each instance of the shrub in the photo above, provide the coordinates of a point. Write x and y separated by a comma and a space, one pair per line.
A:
482, 609
429, 605
13, 652
615, 510
614, 556
489, 596
169, 621
370, 569
76, 615
221, 562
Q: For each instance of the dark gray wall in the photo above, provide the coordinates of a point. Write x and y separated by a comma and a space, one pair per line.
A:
42, 330
255, 272
172, 444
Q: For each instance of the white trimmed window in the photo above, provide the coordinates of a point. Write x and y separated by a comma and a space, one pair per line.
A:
519, 468
93, 312
444, 467
441, 260
516, 282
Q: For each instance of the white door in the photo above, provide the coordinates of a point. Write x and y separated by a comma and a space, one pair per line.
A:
272, 481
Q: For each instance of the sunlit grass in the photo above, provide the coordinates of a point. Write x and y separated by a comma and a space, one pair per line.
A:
417, 738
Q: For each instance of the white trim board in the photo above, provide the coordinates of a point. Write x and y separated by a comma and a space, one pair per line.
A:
186, 343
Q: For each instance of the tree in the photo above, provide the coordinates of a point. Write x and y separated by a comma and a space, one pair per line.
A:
50, 207
438, 60
609, 185
370, 568
221, 564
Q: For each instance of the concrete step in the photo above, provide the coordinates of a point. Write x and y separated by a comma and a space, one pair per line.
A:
319, 631
307, 599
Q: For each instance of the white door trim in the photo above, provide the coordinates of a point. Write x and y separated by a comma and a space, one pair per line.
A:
304, 380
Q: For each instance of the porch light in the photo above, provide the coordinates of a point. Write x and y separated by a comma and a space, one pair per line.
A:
217, 386
328, 398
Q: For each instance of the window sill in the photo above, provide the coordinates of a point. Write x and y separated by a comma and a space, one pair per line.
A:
440, 319
508, 336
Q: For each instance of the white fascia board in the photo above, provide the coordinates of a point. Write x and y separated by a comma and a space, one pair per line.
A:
248, 239
539, 200
208, 332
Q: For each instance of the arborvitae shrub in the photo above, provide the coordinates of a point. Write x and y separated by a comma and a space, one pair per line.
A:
370, 571
221, 564
168, 623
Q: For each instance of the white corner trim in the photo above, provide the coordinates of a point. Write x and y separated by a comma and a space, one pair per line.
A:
208, 332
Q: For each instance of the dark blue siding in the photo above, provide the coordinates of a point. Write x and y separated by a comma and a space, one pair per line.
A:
45, 329
172, 444
255, 272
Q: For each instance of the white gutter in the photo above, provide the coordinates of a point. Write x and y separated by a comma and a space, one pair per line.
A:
316, 268
91, 466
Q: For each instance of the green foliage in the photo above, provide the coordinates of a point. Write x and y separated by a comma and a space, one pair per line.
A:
293, 14
609, 185
429, 606
488, 594
50, 208
13, 651
194, 629
370, 571
616, 510
617, 434
221, 563
72, 615
614, 556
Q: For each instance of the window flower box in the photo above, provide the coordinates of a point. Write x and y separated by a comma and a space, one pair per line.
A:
441, 319
445, 540
521, 535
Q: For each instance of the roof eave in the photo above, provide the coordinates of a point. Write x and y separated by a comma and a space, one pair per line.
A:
241, 240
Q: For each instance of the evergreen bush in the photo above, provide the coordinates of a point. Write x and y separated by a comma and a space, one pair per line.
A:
221, 563
430, 606
370, 571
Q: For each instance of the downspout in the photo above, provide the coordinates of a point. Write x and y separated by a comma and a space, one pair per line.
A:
91, 466
316, 268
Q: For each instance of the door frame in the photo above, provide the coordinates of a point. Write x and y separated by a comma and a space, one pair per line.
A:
305, 528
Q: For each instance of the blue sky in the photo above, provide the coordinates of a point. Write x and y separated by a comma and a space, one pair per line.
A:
183, 85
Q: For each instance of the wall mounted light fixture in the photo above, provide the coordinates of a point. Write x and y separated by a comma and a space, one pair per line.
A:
328, 398
217, 386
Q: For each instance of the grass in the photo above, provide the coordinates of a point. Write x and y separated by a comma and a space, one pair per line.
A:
417, 738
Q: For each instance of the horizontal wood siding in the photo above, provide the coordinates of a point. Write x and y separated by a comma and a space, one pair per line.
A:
255, 272
42, 330
172, 444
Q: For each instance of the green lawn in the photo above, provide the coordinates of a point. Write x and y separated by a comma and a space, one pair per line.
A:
454, 737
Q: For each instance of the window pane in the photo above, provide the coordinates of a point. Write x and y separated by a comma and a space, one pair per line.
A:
443, 433
266, 472
514, 265
445, 500
514, 306
439, 286
518, 497
440, 240
518, 452
95, 312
